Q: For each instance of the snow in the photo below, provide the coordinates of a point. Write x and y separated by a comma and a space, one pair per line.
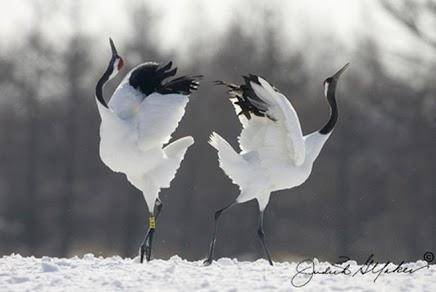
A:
90, 273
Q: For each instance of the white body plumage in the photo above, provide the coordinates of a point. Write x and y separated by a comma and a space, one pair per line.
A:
274, 154
138, 121
133, 131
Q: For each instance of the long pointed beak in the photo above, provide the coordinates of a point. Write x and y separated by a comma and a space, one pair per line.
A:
339, 73
114, 50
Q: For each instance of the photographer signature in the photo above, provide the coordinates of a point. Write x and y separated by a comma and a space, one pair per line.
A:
306, 269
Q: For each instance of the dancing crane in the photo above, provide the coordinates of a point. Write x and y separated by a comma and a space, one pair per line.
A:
274, 153
139, 119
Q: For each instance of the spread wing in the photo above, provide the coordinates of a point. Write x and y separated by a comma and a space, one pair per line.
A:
270, 124
158, 117
163, 104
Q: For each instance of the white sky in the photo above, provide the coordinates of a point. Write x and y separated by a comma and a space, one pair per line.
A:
342, 19
181, 22
97, 16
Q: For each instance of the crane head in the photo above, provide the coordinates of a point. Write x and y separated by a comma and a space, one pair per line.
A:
330, 82
117, 63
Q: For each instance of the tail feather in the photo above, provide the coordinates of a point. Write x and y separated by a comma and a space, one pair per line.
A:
178, 148
175, 152
247, 176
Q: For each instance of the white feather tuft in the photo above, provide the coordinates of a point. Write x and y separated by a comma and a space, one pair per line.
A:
213, 140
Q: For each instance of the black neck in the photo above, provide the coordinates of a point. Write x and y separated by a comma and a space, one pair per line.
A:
100, 84
328, 127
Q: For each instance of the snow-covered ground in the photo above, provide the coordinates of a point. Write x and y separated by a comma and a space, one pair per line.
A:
89, 273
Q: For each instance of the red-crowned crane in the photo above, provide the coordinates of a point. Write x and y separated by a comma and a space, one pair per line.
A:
274, 153
139, 119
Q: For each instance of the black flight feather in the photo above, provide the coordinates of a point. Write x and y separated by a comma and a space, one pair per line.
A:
149, 78
247, 99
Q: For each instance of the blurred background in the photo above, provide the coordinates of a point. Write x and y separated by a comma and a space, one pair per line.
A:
372, 189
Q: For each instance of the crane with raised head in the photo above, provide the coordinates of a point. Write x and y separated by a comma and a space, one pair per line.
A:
274, 153
138, 121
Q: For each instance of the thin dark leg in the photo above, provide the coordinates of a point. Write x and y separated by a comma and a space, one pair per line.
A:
218, 213
157, 207
261, 235
148, 240
146, 244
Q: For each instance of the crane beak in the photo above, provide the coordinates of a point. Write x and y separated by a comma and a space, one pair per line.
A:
339, 73
114, 50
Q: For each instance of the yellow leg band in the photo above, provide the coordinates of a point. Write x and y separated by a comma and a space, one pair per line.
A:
152, 222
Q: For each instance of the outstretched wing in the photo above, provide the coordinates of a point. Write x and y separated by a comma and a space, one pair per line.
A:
270, 123
158, 117
145, 80
163, 104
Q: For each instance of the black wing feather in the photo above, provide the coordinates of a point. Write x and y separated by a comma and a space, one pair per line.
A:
182, 85
149, 78
247, 99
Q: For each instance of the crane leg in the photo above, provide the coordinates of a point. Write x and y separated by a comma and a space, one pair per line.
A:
261, 235
157, 207
218, 213
148, 240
